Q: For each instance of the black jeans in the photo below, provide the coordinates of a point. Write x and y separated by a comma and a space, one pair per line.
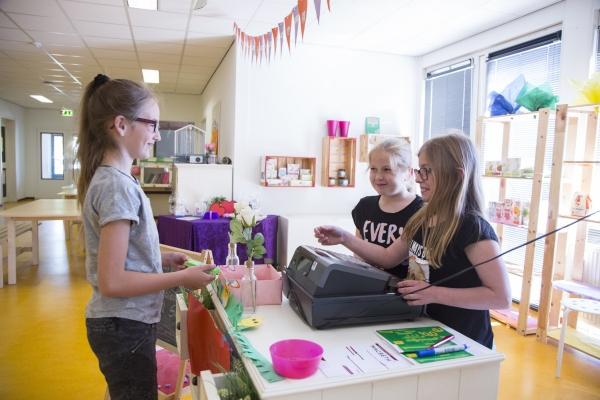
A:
126, 352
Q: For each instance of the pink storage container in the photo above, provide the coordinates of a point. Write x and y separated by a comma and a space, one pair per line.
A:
296, 358
268, 282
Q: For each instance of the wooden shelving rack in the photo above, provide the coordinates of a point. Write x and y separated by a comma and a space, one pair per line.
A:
339, 153
521, 321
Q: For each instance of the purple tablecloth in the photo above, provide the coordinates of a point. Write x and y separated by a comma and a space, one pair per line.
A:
213, 234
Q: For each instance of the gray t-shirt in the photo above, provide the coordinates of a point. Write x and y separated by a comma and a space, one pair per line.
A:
112, 196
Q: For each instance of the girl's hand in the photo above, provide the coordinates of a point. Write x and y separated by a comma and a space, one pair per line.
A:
174, 261
426, 296
330, 235
197, 277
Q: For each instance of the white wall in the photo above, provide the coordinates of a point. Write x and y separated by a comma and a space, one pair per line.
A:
179, 107
37, 121
220, 92
281, 109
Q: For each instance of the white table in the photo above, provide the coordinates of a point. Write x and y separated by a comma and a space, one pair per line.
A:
474, 377
38, 210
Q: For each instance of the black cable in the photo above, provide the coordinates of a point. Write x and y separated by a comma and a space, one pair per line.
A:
439, 281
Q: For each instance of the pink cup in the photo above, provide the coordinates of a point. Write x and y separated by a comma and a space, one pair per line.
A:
344, 127
296, 358
332, 125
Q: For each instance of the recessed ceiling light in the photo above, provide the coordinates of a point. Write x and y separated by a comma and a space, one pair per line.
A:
143, 4
41, 98
150, 75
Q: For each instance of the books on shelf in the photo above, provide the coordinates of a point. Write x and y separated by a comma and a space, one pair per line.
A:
409, 341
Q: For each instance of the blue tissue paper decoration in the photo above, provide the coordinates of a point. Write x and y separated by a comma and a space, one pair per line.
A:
506, 102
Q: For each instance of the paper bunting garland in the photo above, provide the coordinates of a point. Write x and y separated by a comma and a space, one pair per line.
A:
257, 47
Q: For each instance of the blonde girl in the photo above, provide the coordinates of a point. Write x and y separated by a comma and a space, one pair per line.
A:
381, 219
449, 234
119, 123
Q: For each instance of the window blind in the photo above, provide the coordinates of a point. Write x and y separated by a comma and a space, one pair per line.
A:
597, 65
448, 99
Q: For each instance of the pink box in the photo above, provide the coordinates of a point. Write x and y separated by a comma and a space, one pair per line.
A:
268, 282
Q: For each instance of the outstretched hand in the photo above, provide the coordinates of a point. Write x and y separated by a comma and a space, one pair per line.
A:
197, 277
174, 261
330, 235
407, 289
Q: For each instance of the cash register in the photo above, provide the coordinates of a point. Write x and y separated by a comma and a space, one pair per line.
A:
328, 289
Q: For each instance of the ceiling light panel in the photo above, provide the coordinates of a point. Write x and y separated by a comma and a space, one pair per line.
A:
143, 4
150, 75
40, 98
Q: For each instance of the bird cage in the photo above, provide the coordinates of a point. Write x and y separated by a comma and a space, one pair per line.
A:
189, 140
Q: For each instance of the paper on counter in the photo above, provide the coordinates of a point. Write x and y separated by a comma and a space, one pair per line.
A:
353, 359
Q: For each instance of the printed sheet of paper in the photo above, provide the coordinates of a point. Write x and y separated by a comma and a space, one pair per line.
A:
354, 359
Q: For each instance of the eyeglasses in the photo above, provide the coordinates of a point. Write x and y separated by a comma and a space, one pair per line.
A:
423, 173
149, 121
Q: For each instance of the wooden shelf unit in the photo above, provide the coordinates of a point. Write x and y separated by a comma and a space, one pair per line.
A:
522, 321
574, 140
339, 153
273, 177
367, 142
156, 176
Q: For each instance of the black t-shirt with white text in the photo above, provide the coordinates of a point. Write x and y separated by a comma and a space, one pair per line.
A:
472, 323
383, 228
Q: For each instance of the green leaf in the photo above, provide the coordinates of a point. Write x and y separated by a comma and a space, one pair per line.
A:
247, 232
259, 238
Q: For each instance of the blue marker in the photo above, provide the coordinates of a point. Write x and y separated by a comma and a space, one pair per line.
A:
441, 350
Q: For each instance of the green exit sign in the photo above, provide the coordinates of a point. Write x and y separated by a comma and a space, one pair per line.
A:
65, 112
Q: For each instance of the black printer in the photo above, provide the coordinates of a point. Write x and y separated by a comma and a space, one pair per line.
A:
329, 289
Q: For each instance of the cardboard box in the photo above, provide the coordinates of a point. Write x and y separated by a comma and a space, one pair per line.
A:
268, 282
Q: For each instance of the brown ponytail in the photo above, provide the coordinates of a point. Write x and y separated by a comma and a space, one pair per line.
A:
102, 101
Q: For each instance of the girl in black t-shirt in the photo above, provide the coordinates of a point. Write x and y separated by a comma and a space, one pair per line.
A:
381, 219
447, 235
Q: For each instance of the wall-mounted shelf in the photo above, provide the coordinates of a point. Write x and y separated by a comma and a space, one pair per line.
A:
156, 176
339, 162
287, 171
367, 142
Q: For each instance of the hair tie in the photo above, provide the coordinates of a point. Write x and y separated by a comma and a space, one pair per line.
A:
100, 80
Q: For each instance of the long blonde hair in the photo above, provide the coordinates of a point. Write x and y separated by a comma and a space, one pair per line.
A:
453, 161
400, 153
104, 99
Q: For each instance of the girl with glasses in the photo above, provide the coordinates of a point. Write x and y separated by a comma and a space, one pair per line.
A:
449, 234
123, 263
381, 219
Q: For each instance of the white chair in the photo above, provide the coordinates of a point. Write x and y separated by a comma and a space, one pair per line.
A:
578, 305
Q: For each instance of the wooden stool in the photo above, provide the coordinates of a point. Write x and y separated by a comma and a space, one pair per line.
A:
578, 305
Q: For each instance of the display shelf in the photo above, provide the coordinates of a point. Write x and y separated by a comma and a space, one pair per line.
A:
156, 176
367, 142
339, 162
287, 171
508, 224
574, 164
535, 135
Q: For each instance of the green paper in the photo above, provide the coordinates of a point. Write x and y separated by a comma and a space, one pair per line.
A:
234, 310
263, 365
413, 339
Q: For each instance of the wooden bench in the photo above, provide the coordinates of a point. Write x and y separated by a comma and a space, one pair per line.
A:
20, 228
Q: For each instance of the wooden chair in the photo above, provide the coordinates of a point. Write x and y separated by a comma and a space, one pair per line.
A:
181, 336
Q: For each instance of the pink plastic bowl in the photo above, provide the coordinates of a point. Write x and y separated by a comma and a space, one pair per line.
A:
296, 358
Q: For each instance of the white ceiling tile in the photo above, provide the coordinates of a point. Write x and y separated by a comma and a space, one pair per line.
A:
204, 51
26, 55
194, 71
220, 26
230, 9
95, 12
52, 38
13, 34
201, 61
158, 19
105, 30
57, 23
18, 46
114, 54
159, 65
156, 58
209, 39
32, 7
109, 43
5, 22
166, 48
177, 6
104, 2
158, 35
112, 63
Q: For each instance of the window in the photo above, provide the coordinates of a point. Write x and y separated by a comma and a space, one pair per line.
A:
52, 156
597, 63
448, 99
539, 62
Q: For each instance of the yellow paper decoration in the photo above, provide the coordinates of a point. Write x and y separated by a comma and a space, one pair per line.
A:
589, 91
